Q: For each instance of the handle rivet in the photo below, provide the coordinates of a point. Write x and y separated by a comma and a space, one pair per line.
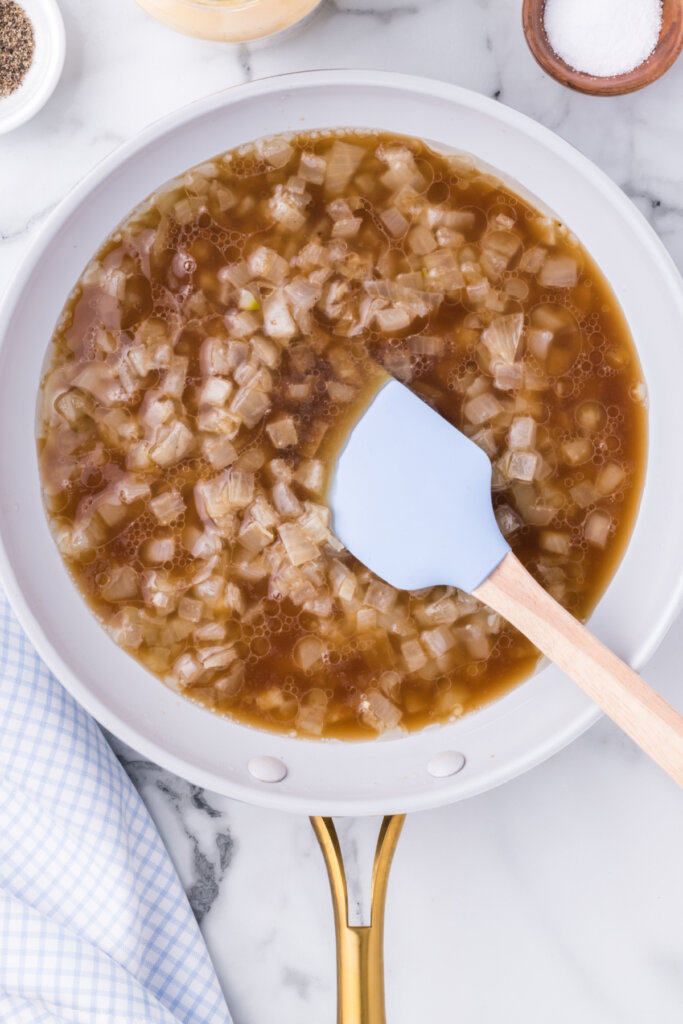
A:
448, 762
267, 769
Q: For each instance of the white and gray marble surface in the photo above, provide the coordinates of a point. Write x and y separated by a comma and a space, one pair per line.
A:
558, 897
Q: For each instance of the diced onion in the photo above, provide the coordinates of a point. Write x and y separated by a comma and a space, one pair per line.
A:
379, 712
174, 443
558, 272
596, 528
555, 542
394, 222
610, 478
308, 652
421, 241
167, 506
522, 433
509, 522
482, 408
298, 546
577, 451
342, 162
502, 338
122, 585
312, 168
282, 432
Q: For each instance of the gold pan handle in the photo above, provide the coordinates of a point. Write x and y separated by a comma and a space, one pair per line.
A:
360, 955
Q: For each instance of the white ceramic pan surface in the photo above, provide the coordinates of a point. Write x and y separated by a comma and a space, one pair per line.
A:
505, 738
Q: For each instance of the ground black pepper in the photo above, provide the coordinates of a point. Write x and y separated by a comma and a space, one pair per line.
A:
17, 44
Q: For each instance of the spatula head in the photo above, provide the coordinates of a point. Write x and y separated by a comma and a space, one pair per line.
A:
411, 497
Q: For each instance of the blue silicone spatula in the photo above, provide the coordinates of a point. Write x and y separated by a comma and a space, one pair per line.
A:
411, 499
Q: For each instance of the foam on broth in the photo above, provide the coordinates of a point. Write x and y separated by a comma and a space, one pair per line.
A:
209, 364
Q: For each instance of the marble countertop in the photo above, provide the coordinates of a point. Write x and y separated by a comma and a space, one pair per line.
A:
557, 897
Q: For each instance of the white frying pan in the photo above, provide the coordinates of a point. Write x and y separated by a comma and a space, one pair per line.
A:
389, 776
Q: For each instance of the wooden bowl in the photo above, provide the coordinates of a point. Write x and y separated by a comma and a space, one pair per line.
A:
665, 53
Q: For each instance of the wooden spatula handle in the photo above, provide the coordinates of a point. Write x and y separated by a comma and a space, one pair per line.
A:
643, 715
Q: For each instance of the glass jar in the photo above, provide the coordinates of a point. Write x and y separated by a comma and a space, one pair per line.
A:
230, 21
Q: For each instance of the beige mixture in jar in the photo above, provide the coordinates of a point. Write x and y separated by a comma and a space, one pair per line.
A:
229, 21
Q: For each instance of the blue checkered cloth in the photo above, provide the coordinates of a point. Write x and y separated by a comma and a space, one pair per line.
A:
94, 925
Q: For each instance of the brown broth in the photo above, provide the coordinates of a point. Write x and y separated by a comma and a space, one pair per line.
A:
160, 279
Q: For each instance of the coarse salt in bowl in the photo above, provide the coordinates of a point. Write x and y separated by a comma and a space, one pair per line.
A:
603, 37
549, 44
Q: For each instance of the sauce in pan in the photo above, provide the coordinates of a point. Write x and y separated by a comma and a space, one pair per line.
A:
211, 359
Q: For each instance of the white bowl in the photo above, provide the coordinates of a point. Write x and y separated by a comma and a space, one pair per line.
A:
508, 736
48, 60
